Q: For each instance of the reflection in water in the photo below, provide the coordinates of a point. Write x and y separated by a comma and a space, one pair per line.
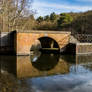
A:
8, 64
46, 62
68, 73
36, 54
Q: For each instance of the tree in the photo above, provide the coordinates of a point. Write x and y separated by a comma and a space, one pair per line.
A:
53, 17
32, 17
65, 19
30, 24
47, 18
82, 24
40, 19
13, 11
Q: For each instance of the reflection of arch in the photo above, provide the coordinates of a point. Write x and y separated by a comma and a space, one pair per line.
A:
46, 62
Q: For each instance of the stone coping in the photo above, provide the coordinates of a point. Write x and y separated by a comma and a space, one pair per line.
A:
42, 31
84, 43
39, 31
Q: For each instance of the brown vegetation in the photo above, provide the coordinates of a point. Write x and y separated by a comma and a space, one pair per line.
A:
12, 12
15, 14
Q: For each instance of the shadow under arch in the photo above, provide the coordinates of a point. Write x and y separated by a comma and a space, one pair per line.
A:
45, 62
48, 44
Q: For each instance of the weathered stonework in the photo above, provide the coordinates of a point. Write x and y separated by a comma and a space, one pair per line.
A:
25, 40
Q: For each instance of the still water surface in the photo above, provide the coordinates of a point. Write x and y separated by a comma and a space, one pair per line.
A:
46, 73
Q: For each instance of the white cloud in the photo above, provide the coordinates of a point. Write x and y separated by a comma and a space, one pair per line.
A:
41, 7
59, 6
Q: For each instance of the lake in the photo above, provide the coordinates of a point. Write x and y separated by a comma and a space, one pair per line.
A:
46, 73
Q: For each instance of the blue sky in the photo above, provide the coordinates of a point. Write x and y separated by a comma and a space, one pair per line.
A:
45, 7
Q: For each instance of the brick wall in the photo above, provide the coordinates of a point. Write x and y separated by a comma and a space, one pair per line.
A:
84, 48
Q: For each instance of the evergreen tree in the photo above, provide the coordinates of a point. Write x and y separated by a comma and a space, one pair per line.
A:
53, 17
64, 20
46, 18
40, 19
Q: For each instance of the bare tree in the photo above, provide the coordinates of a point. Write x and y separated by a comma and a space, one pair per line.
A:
12, 11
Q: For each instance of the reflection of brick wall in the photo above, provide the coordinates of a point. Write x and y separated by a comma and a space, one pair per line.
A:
84, 59
26, 69
84, 48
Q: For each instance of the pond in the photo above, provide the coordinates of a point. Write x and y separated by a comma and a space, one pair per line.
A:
46, 73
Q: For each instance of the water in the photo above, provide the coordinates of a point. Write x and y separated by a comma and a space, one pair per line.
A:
46, 73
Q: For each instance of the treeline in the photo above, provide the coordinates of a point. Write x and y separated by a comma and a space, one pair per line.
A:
83, 23
16, 14
75, 22
54, 22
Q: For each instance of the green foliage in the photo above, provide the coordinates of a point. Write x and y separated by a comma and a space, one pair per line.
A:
77, 22
53, 17
40, 19
47, 18
64, 20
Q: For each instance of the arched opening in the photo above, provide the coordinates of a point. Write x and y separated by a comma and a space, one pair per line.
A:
36, 46
48, 44
45, 44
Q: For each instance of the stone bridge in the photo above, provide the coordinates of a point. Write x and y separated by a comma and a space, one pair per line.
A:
22, 43
53, 40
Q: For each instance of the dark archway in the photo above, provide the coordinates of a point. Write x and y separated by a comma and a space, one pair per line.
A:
48, 43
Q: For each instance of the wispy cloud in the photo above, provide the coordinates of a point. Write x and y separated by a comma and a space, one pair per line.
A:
46, 7
60, 6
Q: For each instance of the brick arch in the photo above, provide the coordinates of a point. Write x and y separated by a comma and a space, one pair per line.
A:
61, 39
25, 40
48, 40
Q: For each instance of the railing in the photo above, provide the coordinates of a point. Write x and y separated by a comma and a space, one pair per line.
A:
84, 38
